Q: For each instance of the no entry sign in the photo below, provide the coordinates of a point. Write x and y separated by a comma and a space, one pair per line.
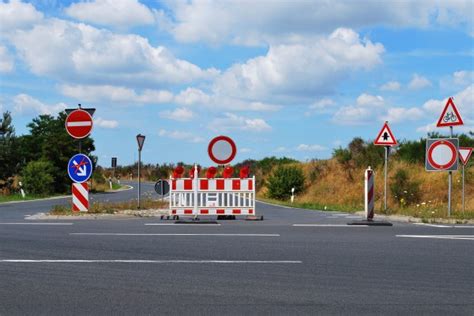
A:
79, 124
442, 154
222, 150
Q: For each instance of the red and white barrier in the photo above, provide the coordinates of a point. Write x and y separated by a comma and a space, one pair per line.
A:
80, 197
369, 194
201, 196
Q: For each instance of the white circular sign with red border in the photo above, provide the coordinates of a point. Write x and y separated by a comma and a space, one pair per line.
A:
79, 124
442, 155
222, 150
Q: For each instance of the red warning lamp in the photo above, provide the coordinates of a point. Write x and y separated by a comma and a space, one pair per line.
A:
211, 172
244, 172
178, 172
228, 172
191, 171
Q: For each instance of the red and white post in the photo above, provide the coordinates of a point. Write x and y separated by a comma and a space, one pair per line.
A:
80, 197
369, 194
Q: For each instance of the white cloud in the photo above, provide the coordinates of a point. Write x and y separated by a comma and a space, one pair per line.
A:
459, 79
418, 82
305, 147
75, 51
370, 100
6, 60
320, 106
26, 104
105, 123
180, 135
121, 14
391, 86
17, 15
118, 94
399, 114
245, 150
233, 122
307, 67
353, 115
180, 114
192, 96
232, 21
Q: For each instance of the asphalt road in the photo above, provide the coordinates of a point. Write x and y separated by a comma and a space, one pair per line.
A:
277, 266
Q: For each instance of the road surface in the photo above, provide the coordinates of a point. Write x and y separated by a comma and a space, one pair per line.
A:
294, 262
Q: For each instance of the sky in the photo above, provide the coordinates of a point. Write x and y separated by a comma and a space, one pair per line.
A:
281, 78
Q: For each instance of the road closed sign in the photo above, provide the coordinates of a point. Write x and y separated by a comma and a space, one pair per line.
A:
442, 154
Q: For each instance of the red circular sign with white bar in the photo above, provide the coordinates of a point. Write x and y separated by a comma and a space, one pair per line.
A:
442, 154
79, 124
222, 150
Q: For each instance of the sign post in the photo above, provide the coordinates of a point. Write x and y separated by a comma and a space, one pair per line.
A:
385, 138
450, 117
140, 141
464, 154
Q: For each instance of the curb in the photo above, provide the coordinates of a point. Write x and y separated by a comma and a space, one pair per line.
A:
128, 214
411, 219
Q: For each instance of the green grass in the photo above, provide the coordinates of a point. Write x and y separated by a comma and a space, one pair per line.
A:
18, 197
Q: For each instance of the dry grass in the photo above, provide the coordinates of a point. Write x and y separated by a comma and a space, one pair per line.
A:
111, 208
329, 184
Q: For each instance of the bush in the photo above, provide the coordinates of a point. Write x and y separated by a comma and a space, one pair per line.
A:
38, 178
404, 191
283, 179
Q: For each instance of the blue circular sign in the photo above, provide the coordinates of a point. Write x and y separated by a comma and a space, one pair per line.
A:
79, 168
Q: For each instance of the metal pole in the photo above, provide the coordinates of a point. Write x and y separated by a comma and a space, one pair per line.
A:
139, 180
385, 181
463, 189
450, 179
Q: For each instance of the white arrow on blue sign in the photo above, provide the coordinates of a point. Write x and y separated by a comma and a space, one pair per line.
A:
79, 168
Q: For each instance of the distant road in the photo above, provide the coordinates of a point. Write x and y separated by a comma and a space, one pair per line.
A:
294, 262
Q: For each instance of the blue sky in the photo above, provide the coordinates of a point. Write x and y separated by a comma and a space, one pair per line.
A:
282, 78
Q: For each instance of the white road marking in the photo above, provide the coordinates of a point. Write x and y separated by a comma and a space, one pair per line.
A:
454, 237
155, 261
329, 225
353, 217
172, 224
44, 224
217, 235
432, 225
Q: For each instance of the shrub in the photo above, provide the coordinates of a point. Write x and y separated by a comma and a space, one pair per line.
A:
283, 179
404, 191
38, 178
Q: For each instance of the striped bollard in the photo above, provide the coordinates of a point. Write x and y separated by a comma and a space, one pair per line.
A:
80, 197
369, 194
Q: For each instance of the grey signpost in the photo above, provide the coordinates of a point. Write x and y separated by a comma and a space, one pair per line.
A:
140, 141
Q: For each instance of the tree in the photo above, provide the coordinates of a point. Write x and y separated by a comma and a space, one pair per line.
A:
9, 159
283, 180
38, 177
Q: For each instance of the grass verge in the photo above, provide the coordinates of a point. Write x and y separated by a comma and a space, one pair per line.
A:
109, 208
18, 197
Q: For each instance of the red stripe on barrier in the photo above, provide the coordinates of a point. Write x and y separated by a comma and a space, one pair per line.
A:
236, 184
204, 184
188, 211
236, 211
220, 184
204, 211
78, 196
188, 184
250, 184
250, 211
173, 185
220, 211
173, 212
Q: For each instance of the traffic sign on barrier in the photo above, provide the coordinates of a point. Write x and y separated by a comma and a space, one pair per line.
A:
222, 150
162, 188
79, 124
79, 168
442, 154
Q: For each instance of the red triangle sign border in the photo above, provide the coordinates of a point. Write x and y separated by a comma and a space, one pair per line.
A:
391, 143
449, 103
465, 161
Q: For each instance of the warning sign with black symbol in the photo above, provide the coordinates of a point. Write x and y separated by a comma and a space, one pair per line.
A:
385, 137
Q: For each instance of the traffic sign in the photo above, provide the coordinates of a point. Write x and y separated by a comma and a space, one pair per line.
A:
79, 124
442, 154
222, 150
114, 162
79, 168
450, 115
385, 137
162, 187
465, 154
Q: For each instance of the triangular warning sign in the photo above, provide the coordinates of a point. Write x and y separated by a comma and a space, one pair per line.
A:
450, 115
385, 137
465, 154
